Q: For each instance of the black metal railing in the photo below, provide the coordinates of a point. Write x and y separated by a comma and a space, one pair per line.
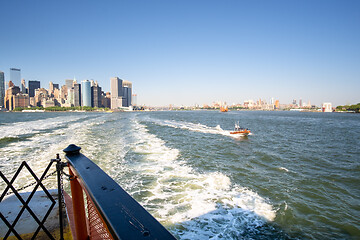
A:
123, 217
37, 183
112, 212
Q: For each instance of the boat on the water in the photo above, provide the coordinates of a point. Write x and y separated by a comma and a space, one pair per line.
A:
240, 131
224, 108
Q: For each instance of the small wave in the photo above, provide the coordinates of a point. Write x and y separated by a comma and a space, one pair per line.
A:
6, 140
283, 169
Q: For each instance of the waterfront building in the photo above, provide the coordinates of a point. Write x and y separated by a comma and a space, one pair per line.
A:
21, 100
96, 96
56, 86
300, 102
10, 94
23, 86
40, 94
77, 95
327, 107
116, 86
2, 89
277, 104
86, 93
106, 100
48, 102
33, 84
15, 76
125, 99
127, 91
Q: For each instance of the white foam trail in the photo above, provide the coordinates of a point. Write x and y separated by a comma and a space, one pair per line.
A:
190, 198
38, 149
31, 127
195, 127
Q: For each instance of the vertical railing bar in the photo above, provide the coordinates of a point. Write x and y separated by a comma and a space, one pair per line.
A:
59, 169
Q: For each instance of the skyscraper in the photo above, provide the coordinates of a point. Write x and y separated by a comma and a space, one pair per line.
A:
96, 96
134, 100
69, 83
15, 76
23, 86
86, 93
125, 102
127, 88
33, 84
2, 89
116, 86
77, 95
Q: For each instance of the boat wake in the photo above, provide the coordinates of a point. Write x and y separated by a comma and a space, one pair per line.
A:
195, 127
194, 205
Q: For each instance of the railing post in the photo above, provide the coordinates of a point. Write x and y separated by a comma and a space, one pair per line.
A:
60, 198
77, 199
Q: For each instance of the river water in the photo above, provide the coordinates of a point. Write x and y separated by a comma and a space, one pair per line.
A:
296, 177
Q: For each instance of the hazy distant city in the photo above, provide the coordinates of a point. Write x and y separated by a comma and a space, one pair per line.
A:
19, 93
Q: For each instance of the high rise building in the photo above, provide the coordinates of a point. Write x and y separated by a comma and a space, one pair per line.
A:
116, 86
300, 102
10, 94
134, 100
96, 96
86, 93
69, 83
327, 107
77, 95
51, 87
127, 87
277, 104
33, 84
15, 76
2, 89
23, 86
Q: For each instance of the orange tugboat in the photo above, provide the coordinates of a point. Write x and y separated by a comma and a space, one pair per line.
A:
223, 109
240, 131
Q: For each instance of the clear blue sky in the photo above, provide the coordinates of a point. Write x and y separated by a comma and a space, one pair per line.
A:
187, 52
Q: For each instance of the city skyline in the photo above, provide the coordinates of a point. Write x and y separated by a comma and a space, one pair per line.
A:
186, 53
123, 97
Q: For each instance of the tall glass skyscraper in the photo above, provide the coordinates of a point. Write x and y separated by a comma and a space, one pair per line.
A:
2, 88
86, 93
32, 86
116, 92
77, 95
15, 76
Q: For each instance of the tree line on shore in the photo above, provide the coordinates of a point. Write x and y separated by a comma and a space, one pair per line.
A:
355, 108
